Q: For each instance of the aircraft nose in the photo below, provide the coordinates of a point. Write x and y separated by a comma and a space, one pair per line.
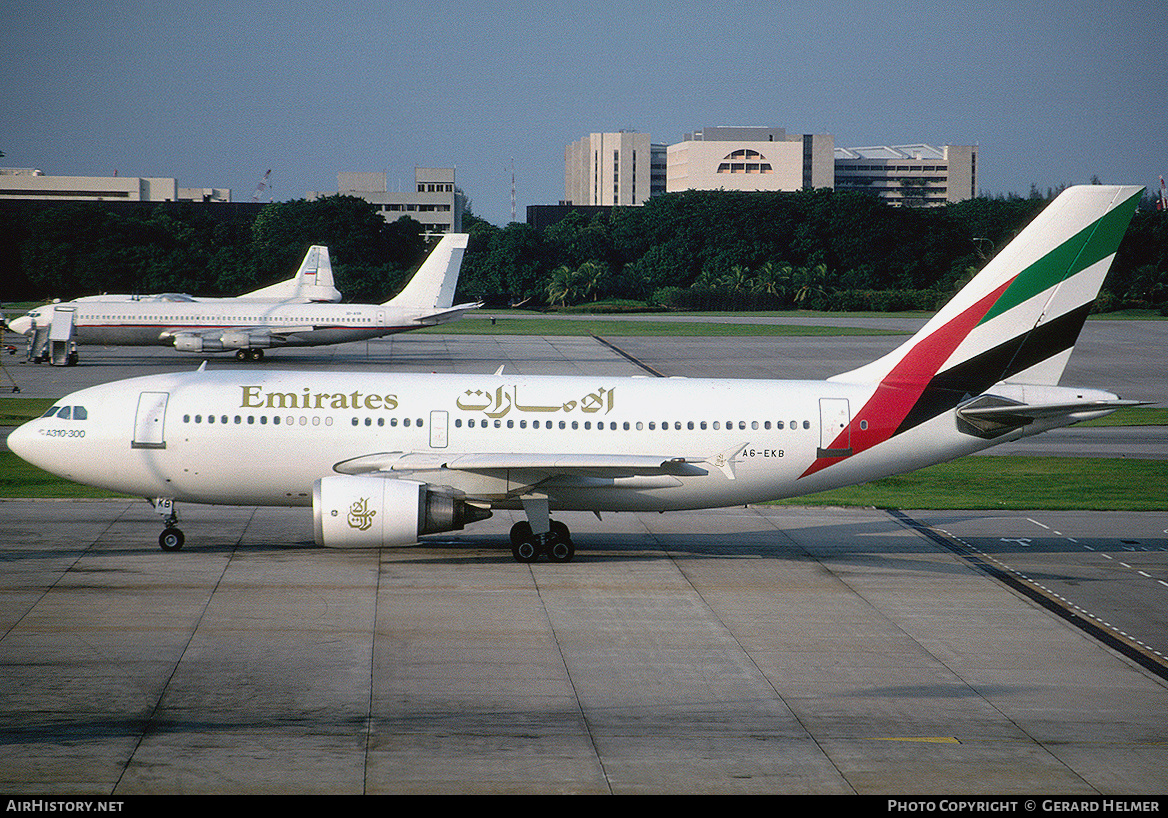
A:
21, 325
22, 441
34, 443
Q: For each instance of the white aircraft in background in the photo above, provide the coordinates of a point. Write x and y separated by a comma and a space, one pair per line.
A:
251, 324
313, 282
385, 458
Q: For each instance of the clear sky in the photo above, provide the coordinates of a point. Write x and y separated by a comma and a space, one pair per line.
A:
215, 93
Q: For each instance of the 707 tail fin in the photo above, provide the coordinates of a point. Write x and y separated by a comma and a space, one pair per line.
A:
1017, 320
433, 285
312, 282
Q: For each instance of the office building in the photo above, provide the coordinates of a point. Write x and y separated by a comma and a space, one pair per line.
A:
909, 175
750, 159
31, 184
434, 200
609, 169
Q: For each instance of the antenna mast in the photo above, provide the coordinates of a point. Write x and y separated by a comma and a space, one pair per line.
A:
512, 190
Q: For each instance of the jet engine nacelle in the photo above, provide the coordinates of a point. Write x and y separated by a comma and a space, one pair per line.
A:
358, 511
246, 340
197, 343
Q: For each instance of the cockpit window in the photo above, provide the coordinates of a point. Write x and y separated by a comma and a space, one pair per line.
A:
67, 413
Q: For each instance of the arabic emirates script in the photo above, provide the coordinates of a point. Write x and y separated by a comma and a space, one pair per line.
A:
504, 399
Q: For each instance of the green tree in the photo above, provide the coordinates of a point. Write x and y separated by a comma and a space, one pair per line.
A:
504, 266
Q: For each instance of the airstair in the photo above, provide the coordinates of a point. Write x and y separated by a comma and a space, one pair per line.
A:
55, 343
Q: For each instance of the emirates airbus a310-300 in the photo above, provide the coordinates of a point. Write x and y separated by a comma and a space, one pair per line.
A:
383, 459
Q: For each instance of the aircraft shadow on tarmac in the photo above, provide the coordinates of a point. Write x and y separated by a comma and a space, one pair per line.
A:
868, 543
859, 543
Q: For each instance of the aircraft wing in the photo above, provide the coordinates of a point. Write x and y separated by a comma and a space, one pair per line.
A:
546, 464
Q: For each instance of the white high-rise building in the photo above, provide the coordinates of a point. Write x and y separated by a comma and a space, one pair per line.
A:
609, 169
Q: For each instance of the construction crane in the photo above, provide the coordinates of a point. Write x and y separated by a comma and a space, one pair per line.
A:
261, 187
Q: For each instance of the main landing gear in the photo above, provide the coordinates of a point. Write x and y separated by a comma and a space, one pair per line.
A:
539, 535
249, 354
556, 543
171, 538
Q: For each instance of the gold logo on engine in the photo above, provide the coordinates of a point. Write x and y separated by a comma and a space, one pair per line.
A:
360, 515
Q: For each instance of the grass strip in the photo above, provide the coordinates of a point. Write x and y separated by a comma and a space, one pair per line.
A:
1013, 483
1132, 416
15, 411
19, 479
478, 325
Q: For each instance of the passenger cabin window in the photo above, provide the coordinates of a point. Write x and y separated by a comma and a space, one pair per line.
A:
678, 425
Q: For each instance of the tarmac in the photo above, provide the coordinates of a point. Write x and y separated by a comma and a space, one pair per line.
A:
767, 649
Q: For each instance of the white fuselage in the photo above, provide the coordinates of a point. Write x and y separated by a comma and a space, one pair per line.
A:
263, 438
148, 323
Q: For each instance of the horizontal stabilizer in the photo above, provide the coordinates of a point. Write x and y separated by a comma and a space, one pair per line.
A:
990, 415
446, 316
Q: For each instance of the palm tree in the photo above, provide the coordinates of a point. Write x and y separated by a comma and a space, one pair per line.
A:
739, 279
589, 280
559, 287
810, 280
773, 280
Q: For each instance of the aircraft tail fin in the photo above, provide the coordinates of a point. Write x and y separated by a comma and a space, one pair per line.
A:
432, 287
312, 282
996, 351
1019, 318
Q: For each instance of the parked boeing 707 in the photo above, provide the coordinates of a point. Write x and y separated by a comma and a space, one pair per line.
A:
251, 324
383, 459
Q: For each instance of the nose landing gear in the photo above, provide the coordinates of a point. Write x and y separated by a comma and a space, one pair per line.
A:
171, 538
